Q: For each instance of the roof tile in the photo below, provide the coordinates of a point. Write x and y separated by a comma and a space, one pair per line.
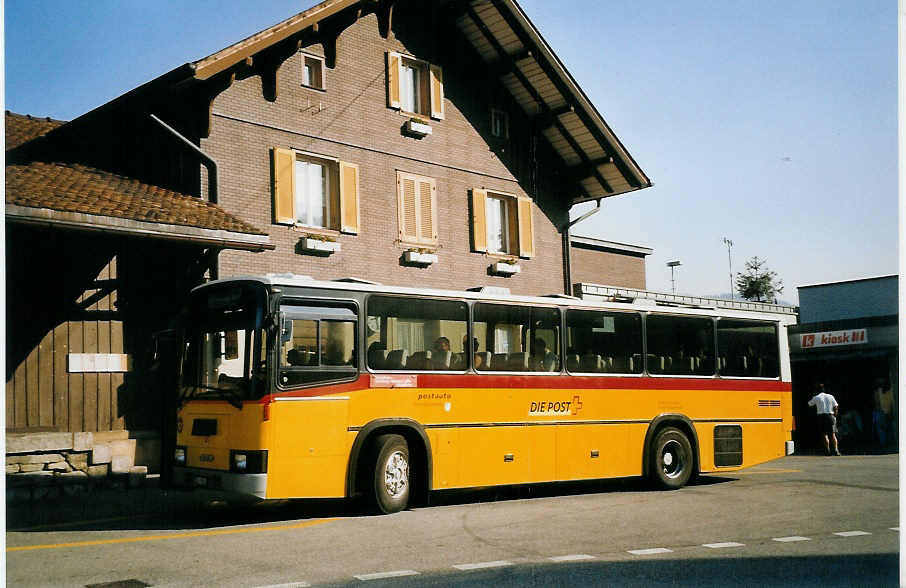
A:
76, 188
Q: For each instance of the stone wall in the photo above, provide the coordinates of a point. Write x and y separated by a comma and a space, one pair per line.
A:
48, 465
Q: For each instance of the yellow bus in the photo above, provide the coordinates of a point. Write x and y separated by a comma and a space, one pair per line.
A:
292, 387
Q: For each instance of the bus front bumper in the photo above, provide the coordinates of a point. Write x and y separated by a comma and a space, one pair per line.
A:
249, 484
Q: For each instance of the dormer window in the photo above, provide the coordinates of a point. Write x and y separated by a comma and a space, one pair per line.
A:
312, 71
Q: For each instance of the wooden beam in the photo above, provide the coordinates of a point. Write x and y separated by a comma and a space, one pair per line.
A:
562, 87
546, 116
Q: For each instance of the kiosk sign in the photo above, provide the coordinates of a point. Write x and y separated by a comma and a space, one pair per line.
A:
832, 338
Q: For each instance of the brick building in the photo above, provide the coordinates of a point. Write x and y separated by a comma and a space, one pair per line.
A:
420, 143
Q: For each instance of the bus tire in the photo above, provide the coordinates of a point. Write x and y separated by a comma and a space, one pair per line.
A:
391, 480
671, 459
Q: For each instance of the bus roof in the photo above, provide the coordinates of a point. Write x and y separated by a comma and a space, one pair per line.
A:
618, 301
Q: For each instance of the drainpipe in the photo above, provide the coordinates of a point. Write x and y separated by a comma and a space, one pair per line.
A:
211, 166
206, 160
568, 251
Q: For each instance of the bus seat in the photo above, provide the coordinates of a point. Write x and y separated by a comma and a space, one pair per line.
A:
296, 356
606, 363
377, 358
499, 361
482, 360
440, 360
722, 362
546, 363
457, 361
420, 360
518, 361
590, 362
396, 359
655, 364
621, 365
572, 362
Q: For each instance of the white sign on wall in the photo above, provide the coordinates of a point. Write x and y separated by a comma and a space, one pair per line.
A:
98, 363
832, 338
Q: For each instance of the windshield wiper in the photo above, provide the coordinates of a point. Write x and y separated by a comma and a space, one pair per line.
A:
230, 393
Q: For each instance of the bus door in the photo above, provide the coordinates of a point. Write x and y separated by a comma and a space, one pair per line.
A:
316, 349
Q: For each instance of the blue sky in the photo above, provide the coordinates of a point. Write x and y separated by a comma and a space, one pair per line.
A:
772, 123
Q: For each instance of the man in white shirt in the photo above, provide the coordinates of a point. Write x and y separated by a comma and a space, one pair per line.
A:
827, 408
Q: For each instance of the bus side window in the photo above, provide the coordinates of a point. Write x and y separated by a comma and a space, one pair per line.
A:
416, 334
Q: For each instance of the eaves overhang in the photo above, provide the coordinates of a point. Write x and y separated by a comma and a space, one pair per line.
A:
110, 225
597, 163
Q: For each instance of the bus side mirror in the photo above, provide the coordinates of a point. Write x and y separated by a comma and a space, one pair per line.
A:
286, 329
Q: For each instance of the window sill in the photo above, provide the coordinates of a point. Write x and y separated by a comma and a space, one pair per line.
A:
315, 88
316, 231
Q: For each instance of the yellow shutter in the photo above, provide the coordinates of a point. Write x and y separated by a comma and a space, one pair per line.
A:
408, 207
349, 198
427, 211
284, 175
479, 222
526, 229
393, 79
437, 92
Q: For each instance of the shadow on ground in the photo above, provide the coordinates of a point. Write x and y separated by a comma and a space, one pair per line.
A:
838, 570
155, 508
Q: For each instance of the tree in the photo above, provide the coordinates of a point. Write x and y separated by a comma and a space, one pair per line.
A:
758, 283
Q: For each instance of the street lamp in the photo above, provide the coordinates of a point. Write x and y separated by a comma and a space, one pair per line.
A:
672, 265
729, 244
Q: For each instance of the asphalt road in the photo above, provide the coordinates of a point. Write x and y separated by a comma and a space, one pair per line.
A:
800, 520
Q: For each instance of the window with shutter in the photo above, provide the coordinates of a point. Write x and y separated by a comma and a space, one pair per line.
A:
415, 86
315, 191
417, 207
502, 223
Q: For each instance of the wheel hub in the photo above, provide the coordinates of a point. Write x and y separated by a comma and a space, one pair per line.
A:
396, 474
672, 458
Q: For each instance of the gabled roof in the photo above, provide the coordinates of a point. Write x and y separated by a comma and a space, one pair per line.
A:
526, 66
85, 198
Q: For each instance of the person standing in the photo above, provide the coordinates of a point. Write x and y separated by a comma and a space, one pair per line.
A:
826, 406
882, 398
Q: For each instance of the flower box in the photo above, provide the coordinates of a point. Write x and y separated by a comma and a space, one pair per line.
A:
319, 246
505, 269
419, 258
417, 128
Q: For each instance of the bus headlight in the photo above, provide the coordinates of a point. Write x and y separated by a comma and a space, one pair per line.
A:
179, 455
248, 462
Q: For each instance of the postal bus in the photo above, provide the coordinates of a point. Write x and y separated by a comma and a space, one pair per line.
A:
292, 387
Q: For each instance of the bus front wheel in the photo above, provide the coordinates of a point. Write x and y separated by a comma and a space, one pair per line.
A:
671, 459
391, 474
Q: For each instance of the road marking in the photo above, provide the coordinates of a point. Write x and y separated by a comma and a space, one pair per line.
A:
791, 539
852, 533
170, 536
573, 557
383, 575
290, 585
483, 565
894, 528
651, 551
723, 545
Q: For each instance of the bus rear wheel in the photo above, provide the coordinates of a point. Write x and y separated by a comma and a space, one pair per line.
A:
671, 459
391, 474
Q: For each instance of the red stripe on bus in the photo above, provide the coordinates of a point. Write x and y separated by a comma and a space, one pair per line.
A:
556, 382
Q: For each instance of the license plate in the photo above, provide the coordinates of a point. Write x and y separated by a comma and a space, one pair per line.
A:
200, 481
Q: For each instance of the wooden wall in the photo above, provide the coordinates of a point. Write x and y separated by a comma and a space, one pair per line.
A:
41, 392
70, 292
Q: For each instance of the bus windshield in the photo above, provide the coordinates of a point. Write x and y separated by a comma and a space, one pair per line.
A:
226, 349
